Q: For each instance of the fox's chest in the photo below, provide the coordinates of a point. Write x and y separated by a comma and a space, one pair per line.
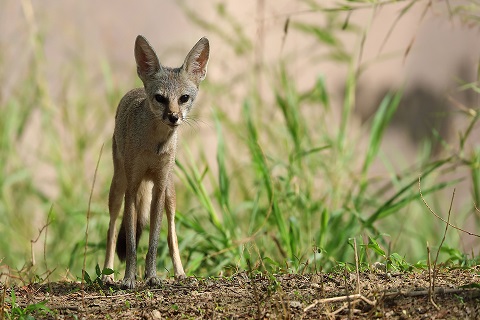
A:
156, 166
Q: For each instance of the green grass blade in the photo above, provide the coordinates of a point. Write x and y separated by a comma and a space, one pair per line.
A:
393, 204
263, 171
382, 118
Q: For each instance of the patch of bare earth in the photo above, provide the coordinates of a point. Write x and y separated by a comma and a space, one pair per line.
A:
309, 296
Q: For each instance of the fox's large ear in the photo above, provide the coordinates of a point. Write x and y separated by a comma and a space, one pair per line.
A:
147, 60
196, 61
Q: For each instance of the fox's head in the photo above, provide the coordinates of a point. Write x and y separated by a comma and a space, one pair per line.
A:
171, 91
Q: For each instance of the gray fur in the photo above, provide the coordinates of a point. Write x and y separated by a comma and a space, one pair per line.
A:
144, 146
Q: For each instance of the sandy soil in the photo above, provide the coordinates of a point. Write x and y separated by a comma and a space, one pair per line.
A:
242, 296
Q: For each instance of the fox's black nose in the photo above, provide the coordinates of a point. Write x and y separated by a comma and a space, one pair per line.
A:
173, 117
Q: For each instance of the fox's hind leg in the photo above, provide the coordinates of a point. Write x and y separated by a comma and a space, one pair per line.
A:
117, 191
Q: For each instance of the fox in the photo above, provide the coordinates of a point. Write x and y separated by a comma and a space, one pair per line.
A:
144, 146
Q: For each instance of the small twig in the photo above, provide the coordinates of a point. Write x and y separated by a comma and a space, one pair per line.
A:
438, 251
36, 239
347, 298
440, 218
476, 209
46, 234
388, 294
331, 315
356, 264
431, 289
279, 246
446, 229
429, 268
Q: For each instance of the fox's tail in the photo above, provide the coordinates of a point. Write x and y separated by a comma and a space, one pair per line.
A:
142, 208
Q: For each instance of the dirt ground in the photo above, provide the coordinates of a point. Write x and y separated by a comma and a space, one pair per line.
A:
284, 296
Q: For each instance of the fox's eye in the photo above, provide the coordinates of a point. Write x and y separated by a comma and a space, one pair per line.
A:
184, 98
161, 99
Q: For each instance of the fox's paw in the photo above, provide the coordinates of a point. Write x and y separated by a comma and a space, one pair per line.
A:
180, 276
128, 283
108, 280
153, 281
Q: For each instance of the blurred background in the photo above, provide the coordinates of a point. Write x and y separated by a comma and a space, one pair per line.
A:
312, 128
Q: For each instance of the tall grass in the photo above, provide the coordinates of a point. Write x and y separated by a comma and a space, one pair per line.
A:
288, 189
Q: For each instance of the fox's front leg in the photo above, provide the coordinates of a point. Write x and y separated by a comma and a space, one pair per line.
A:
170, 204
158, 199
130, 231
